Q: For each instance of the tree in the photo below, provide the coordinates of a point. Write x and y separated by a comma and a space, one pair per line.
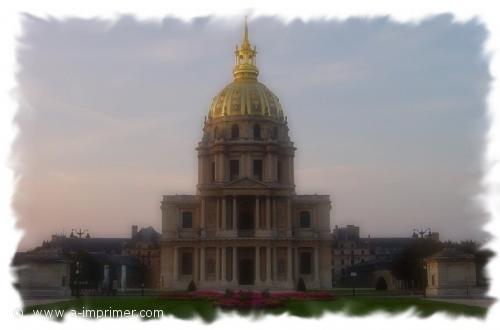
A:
191, 286
301, 285
381, 284
408, 266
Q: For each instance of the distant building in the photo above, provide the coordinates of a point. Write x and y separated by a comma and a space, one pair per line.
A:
42, 274
145, 246
451, 273
364, 260
103, 264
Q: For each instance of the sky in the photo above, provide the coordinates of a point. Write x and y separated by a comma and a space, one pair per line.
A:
388, 118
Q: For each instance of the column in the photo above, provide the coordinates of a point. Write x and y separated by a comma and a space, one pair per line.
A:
202, 264
275, 264
257, 212
217, 263
223, 262
235, 214
202, 215
268, 265
296, 263
196, 265
224, 213
221, 166
273, 219
123, 278
289, 215
257, 265
316, 264
289, 265
268, 213
217, 213
235, 266
176, 263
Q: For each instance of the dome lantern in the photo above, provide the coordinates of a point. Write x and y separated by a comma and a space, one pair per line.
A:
245, 95
246, 65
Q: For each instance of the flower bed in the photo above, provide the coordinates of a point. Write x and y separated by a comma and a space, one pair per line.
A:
249, 299
300, 295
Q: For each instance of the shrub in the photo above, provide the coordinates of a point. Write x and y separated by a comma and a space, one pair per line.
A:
301, 286
191, 286
381, 284
228, 293
246, 295
265, 293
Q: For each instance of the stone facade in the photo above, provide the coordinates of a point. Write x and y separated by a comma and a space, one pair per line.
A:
246, 227
451, 273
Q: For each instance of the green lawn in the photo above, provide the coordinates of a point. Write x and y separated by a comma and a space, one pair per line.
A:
187, 309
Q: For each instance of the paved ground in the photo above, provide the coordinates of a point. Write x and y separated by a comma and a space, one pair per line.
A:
42, 301
480, 302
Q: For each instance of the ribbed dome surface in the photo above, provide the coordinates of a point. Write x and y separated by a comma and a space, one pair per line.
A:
246, 97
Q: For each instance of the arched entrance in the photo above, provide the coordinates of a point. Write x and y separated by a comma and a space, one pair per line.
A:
246, 272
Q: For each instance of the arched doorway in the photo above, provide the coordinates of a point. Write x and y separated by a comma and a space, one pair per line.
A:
246, 270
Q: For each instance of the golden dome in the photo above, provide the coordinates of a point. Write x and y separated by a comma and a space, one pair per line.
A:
245, 95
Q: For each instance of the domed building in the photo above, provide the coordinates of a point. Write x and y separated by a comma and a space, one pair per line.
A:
246, 228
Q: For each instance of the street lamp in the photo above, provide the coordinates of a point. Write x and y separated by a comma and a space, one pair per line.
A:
77, 276
353, 276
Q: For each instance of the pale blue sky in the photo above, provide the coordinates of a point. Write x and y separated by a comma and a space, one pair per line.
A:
388, 118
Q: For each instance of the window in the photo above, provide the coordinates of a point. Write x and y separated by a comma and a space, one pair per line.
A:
215, 133
342, 262
305, 219
281, 266
256, 132
210, 266
235, 132
187, 263
187, 219
234, 169
257, 169
280, 174
433, 280
274, 133
305, 263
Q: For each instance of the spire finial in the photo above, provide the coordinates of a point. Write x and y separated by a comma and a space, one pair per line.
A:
246, 42
246, 30
245, 67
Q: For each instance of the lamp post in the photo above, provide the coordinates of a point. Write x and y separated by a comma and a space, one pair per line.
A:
424, 266
353, 276
77, 276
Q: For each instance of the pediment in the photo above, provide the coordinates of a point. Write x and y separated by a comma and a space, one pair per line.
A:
246, 183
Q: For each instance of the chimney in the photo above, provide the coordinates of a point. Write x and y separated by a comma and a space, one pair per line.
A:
134, 230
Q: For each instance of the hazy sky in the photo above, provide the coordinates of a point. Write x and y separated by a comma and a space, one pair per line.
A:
388, 118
